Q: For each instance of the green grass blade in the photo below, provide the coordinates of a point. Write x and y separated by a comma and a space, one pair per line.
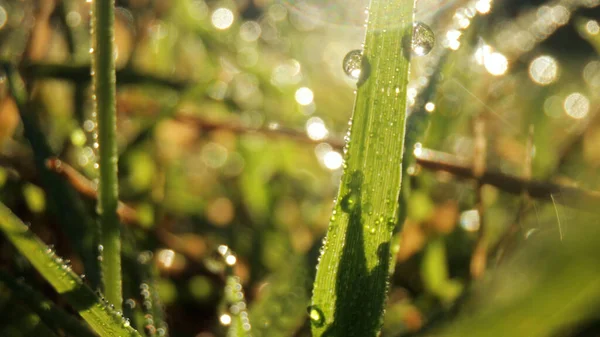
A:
154, 315
101, 318
350, 287
235, 308
65, 203
50, 314
104, 83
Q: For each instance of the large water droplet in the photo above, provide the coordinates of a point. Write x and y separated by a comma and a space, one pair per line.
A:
316, 316
353, 64
349, 202
423, 39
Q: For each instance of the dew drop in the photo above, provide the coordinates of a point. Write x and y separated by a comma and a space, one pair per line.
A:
130, 303
353, 64
349, 202
316, 316
423, 39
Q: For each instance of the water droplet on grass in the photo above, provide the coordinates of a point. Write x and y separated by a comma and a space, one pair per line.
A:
423, 39
349, 202
352, 64
316, 316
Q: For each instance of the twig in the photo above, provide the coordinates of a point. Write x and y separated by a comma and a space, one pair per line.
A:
573, 197
479, 257
81, 74
275, 131
126, 213
436, 161
507, 241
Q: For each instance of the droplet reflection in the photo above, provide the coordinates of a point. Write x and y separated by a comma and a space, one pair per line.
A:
423, 39
352, 64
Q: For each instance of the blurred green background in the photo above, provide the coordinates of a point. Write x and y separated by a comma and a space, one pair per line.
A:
231, 117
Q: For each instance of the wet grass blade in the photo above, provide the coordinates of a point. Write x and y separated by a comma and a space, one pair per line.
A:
154, 315
64, 201
102, 319
50, 314
105, 110
351, 282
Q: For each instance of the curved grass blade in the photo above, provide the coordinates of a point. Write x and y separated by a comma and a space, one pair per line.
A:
352, 276
50, 314
102, 319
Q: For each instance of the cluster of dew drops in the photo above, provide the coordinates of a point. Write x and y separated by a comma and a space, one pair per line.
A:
423, 40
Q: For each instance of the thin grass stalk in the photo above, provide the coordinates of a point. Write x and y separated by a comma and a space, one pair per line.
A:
104, 84
352, 277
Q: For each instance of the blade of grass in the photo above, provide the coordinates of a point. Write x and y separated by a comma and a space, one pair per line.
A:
51, 315
105, 111
64, 201
351, 282
154, 316
103, 319
232, 309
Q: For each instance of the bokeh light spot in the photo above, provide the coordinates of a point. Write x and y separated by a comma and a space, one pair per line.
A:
333, 160
496, 64
304, 96
222, 18
316, 129
543, 70
577, 105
